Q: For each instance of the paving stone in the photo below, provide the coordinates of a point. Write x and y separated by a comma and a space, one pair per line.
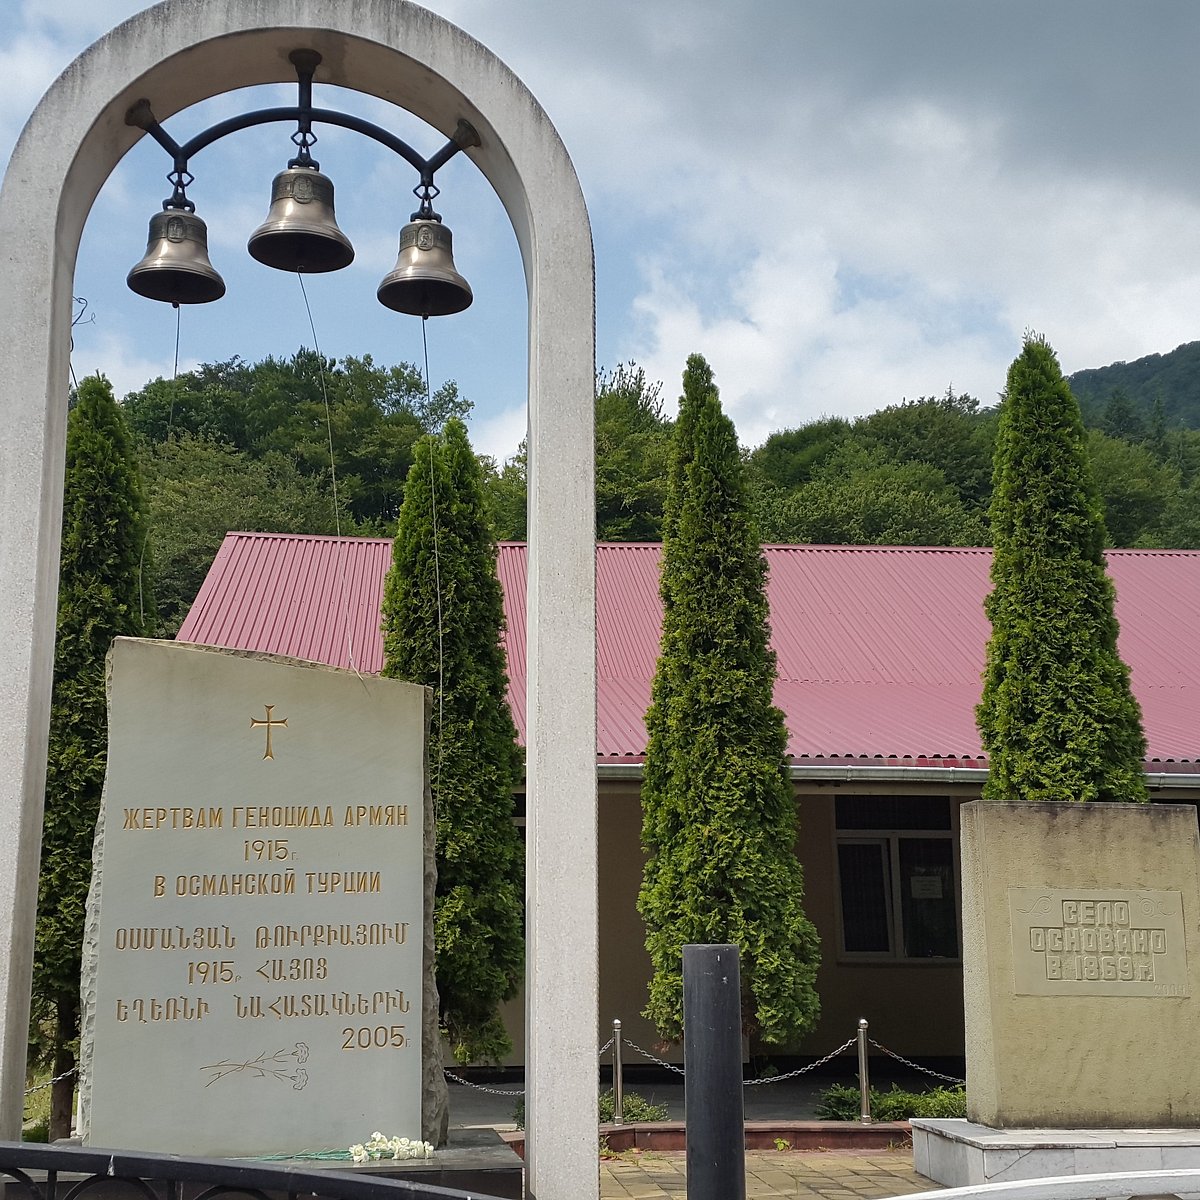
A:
770, 1173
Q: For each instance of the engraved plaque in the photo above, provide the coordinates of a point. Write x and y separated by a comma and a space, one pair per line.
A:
1097, 942
256, 927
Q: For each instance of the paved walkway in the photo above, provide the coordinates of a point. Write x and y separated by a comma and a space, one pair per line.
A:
652, 1175
656, 1174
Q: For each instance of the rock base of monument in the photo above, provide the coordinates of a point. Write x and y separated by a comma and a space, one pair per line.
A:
960, 1153
476, 1160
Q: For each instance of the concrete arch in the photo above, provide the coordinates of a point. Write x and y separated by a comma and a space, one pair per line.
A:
177, 54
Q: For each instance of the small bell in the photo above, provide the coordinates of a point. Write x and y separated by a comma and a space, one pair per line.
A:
176, 269
424, 281
300, 232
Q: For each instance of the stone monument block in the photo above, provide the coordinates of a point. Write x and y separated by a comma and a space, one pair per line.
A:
1081, 938
258, 957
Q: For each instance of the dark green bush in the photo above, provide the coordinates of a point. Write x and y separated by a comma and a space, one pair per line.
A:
635, 1109
841, 1103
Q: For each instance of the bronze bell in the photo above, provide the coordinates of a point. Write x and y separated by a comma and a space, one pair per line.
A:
175, 268
300, 232
424, 282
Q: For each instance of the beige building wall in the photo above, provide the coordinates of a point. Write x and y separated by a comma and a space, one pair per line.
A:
915, 1008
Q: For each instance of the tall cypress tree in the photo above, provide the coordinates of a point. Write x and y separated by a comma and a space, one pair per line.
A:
719, 817
1057, 718
442, 618
102, 594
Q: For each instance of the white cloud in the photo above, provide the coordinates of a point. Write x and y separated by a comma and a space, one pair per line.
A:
838, 204
111, 355
498, 435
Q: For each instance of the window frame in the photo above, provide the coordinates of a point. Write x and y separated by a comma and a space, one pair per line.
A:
889, 840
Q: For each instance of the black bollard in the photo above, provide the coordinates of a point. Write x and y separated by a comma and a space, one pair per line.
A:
712, 1082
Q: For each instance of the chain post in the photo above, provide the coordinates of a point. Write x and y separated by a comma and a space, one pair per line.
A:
618, 1080
864, 1079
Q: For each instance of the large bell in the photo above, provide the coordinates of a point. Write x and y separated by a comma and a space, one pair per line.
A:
300, 232
424, 282
176, 269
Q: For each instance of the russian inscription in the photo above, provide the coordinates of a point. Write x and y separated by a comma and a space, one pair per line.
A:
1098, 942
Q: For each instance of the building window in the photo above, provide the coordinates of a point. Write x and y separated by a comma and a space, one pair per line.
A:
897, 878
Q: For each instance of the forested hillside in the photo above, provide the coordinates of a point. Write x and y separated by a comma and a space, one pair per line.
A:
1162, 388
247, 446
240, 446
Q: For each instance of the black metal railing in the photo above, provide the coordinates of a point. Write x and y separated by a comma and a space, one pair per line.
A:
29, 1171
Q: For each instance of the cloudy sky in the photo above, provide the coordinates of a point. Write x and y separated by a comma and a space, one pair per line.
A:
841, 203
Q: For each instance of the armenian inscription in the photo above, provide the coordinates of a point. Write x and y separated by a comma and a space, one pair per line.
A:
1097, 942
255, 926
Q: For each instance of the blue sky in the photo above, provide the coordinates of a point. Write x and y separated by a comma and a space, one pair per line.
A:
841, 203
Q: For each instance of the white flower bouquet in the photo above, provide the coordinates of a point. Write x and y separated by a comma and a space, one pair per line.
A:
394, 1148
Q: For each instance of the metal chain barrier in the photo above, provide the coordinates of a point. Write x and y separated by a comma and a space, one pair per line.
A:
652, 1058
678, 1070
812, 1066
820, 1062
915, 1066
51, 1082
480, 1088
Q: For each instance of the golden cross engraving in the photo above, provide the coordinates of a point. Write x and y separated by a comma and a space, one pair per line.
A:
268, 724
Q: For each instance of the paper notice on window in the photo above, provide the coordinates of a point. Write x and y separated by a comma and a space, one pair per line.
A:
926, 887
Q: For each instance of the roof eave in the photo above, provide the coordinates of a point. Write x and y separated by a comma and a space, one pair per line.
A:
845, 773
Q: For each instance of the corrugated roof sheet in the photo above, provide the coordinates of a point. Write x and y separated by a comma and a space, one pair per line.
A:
880, 650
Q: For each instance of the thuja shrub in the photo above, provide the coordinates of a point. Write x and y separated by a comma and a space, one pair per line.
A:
1057, 718
719, 816
442, 620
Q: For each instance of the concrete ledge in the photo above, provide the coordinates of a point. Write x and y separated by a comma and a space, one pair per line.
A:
760, 1135
960, 1153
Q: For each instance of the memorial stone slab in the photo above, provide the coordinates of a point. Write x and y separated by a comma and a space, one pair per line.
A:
1081, 935
259, 928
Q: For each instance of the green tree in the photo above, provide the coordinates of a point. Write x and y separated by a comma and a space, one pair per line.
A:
948, 432
103, 593
1057, 718
1137, 490
298, 407
789, 458
632, 444
442, 619
198, 490
632, 441
506, 492
855, 499
1121, 418
719, 817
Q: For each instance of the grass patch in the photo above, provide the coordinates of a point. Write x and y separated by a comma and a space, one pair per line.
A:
35, 1126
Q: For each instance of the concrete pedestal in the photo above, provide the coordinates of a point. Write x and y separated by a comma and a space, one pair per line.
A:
960, 1153
1080, 940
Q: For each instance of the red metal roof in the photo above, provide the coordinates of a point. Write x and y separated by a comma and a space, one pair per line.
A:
880, 649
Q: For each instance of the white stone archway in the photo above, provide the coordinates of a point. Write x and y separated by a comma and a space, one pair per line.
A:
177, 54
